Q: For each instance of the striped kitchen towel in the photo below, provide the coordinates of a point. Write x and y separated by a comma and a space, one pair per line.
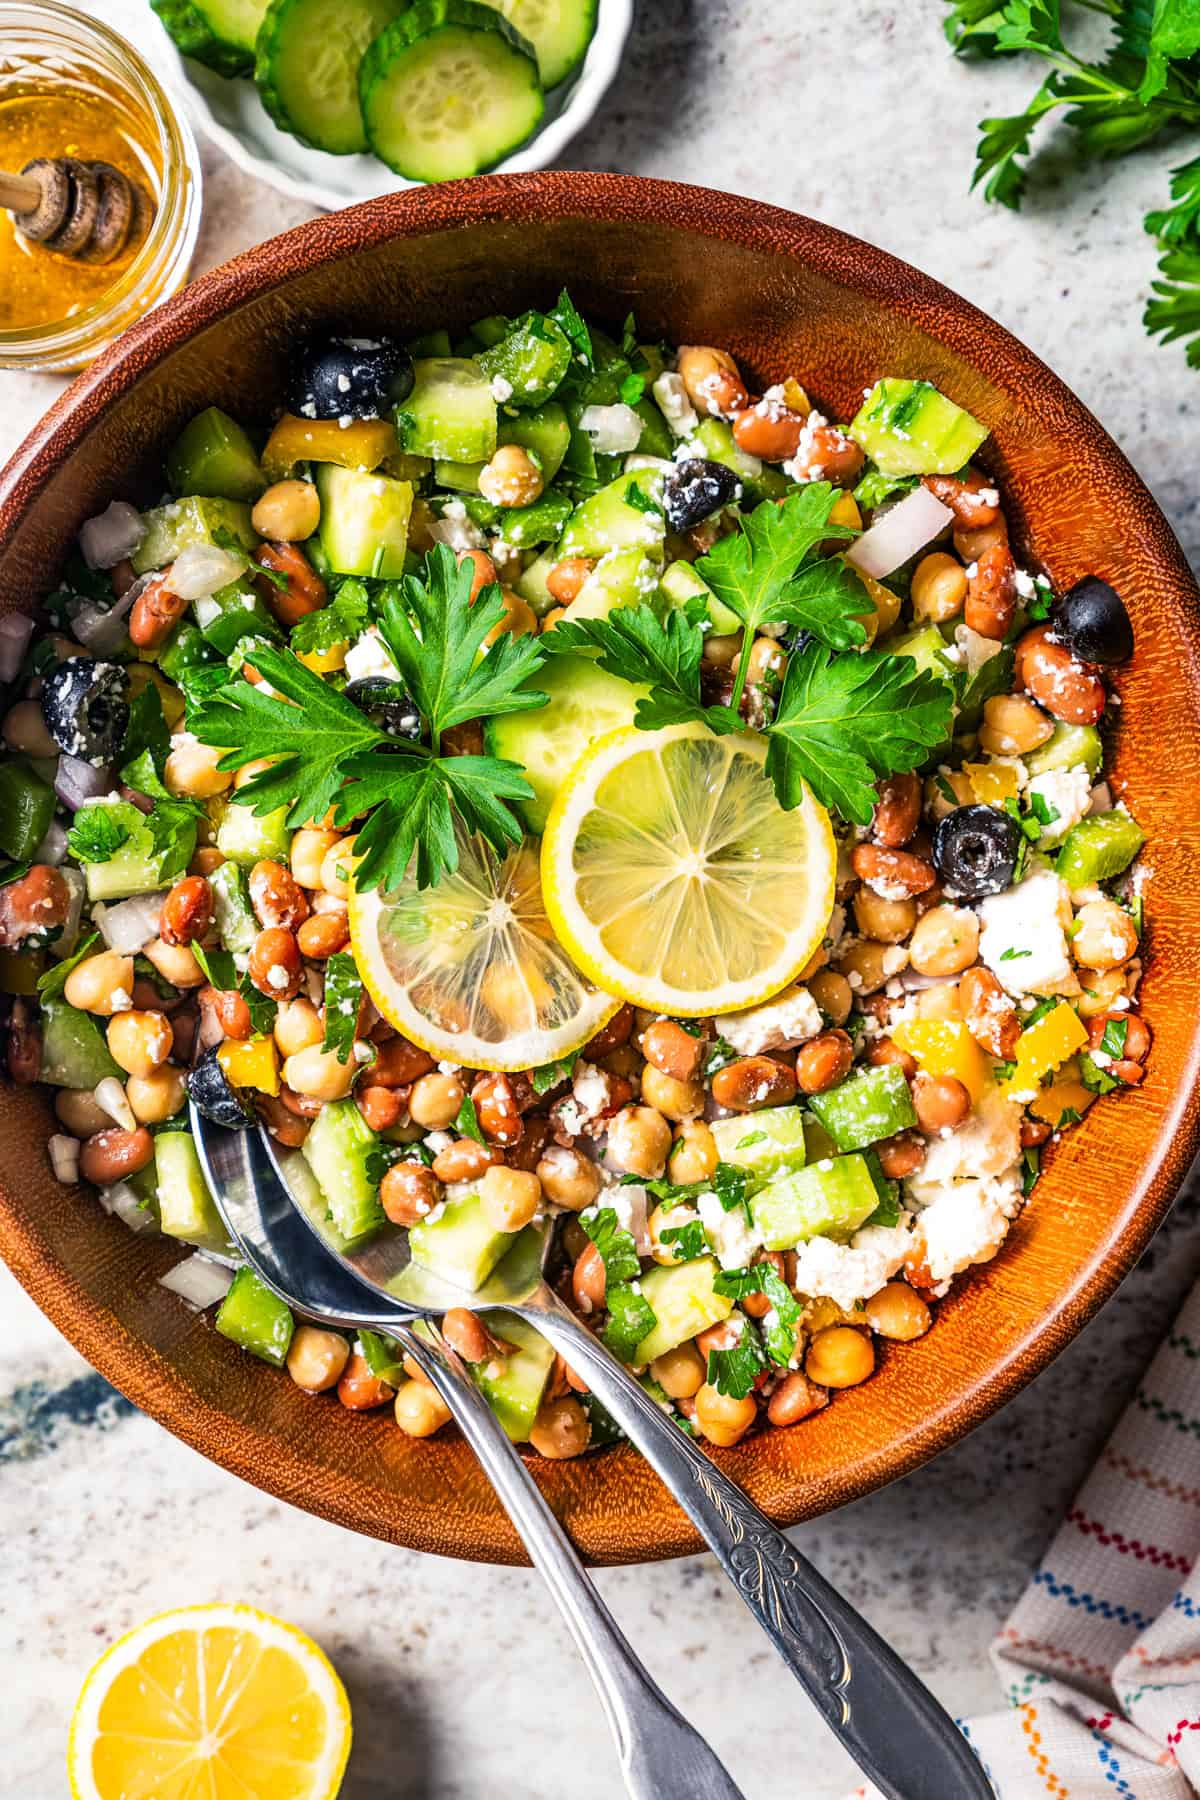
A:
1100, 1658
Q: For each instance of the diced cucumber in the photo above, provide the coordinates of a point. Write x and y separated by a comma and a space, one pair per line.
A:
450, 413
713, 439
26, 809
185, 1206
585, 703
232, 613
622, 515
621, 578
546, 431
306, 1192
927, 647
188, 26
237, 925
307, 63
463, 478
1070, 747
74, 1051
539, 523
531, 583
1099, 847
235, 22
196, 519
435, 343
765, 1144
513, 1385
559, 30
252, 1316
908, 428
213, 456
247, 837
873, 1104
684, 1301
364, 520
682, 586
187, 648
656, 438
530, 360
490, 330
137, 867
448, 89
459, 1244
338, 1151
830, 1198
383, 1356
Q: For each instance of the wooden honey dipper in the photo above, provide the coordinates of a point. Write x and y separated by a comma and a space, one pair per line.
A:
87, 210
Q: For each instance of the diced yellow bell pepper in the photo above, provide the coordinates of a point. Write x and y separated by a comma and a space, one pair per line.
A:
363, 444
253, 1064
945, 1047
992, 783
1043, 1048
19, 971
323, 662
1059, 1098
844, 510
403, 466
884, 607
797, 398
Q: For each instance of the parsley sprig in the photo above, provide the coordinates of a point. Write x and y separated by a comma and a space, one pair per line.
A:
324, 753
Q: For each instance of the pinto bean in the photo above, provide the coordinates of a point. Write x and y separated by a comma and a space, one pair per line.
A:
114, 1153
276, 895
901, 1155
769, 429
990, 1015
399, 1063
187, 911
155, 614
496, 1109
965, 498
752, 1083
409, 1192
991, 592
305, 591
714, 385
895, 874
823, 1062
897, 811
23, 1051
672, 1050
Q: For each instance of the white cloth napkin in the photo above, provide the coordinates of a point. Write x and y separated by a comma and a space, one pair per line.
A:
1100, 1658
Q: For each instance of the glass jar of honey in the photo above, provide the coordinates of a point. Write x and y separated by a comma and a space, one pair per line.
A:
71, 87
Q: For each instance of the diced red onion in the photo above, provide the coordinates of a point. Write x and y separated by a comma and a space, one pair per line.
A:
1100, 800
612, 429
123, 1203
76, 782
112, 535
64, 1158
917, 984
15, 633
110, 1097
202, 569
901, 531
53, 847
102, 629
198, 1280
130, 925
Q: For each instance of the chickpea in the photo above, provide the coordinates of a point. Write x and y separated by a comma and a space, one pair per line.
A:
663, 1217
276, 895
674, 1099
720, 1418
867, 965
316, 1359
112, 1154
1105, 936
767, 664
512, 478
187, 911
886, 921
589, 1280
794, 1399
833, 994
840, 1357
550, 619
323, 936
561, 1430
464, 1159
25, 730
679, 1372
436, 1100
639, 1141
694, 1154
823, 1062
566, 578
156, 1097
898, 1313
1099, 991
275, 965
752, 1083
100, 984
310, 846
901, 1155
288, 512
567, 1178
510, 1197
336, 865
420, 1410
176, 964
78, 1112
722, 652
945, 941
714, 386
191, 771
409, 1192
671, 1049
297, 1027
1013, 725
317, 1074
939, 588
139, 1041
359, 1390
941, 1102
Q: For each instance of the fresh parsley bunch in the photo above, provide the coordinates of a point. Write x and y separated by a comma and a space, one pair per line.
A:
1145, 87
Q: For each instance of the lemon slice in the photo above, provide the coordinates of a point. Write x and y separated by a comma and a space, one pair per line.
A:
675, 878
469, 969
223, 1702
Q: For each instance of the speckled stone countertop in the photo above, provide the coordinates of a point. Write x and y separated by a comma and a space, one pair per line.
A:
463, 1681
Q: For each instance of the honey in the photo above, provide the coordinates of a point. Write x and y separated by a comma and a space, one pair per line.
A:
37, 286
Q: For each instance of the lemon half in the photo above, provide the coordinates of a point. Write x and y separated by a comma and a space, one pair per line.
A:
674, 877
220, 1701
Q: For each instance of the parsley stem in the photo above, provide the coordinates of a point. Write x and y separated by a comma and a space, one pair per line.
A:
739, 682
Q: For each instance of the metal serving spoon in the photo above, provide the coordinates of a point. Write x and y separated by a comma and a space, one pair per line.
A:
887, 1719
661, 1756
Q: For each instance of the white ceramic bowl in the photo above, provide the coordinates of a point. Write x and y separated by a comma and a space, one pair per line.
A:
232, 116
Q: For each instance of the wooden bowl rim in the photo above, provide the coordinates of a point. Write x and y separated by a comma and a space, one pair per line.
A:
140, 1371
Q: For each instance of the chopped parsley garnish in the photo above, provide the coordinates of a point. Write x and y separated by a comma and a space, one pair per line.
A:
631, 390
687, 1241
630, 1319
97, 834
467, 1122
550, 1074
1093, 1077
727, 1182
343, 998
222, 974
875, 487
1011, 955
1043, 811
780, 1326
341, 622
567, 318
1031, 1165
755, 1137
637, 497
720, 1055
1112, 1043
616, 1246
218, 966
1030, 829
736, 1370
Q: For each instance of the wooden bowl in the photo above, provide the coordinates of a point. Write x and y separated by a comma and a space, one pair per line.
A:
787, 297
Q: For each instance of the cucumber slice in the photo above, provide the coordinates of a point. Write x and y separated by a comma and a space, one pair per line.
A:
546, 431
450, 413
187, 648
622, 578
447, 90
531, 361
196, 519
766, 1144
531, 583
513, 1386
74, 1051
1099, 847
234, 612
433, 343
540, 523
306, 67
364, 520
713, 439
559, 30
584, 704
830, 1198
236, 921
684, 1301
337, 1150
621, 515
872, 1105
908, 428
234, 22
682, 586
927, 647
461, 477
459, 1244
185, 1206
245, 836
213, 456
189, 28
252, 1316
1070, 747
137, 867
